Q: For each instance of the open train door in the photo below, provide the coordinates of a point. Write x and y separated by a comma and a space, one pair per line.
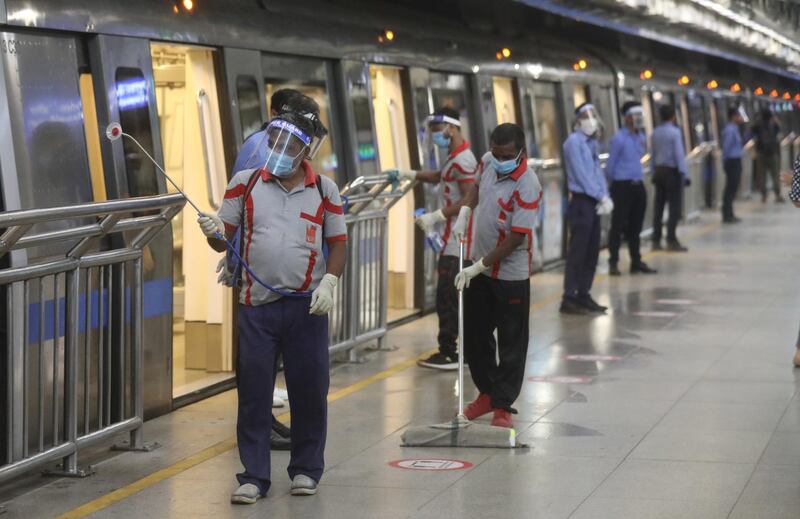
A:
123, 87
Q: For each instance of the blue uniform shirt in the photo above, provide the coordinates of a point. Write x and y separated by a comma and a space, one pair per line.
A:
625, 156
250, 156
584, 174
731, 141
667, 146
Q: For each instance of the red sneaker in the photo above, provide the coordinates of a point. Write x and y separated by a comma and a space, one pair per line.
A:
502, 418
481, 406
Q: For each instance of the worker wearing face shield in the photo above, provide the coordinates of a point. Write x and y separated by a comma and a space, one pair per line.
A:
624, 171
589, 200
455, 177
286, 210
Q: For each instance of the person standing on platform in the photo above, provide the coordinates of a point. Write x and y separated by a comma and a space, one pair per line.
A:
589, 200
670, 176
766, 133
497, 285
624, 170
732, 149
286, 211
456, 175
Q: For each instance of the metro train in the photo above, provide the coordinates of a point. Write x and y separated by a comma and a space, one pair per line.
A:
191, 80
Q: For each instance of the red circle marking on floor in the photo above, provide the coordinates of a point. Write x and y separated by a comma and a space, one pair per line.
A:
430, 464
562, 379
593, 358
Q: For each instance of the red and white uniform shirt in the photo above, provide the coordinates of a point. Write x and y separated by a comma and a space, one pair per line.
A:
457, 173
506, 204
283, 230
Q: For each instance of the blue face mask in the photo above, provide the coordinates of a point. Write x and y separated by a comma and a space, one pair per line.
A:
280, 165
440, 140
506, 166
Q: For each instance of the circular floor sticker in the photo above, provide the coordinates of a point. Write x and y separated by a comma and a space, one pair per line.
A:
562, 379
593, 358
430, 464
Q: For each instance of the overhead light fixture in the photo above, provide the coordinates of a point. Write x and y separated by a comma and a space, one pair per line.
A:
773, 93
506, 52
787, 96
582, 64
516, 66
758, 91
188, 4
736, 87
712, 84
683, 80
385, 36
475, 69
498, 55
797, 97
646, 74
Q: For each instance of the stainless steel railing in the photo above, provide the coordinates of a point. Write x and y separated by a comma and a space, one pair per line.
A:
359, 313
72, 330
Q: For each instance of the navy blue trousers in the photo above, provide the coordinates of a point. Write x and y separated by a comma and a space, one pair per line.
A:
584, 246
284, 327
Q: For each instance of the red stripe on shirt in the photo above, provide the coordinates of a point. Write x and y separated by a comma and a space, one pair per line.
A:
496, 266
338, 237
529, 233
312, 260
534, 204
331, 207
248, 209
236, 191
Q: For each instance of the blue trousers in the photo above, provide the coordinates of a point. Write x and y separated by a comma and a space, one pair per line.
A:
584, 246
283, 326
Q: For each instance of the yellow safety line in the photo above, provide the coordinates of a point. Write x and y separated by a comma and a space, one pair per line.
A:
225, 445
219, 448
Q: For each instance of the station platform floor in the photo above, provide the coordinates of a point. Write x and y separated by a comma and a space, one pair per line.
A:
686, 408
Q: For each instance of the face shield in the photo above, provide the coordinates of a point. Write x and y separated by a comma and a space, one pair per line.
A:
636, 113
286, 147
435, 130
588, 120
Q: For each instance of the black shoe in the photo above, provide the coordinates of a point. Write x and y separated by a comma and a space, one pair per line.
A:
572, 307
732, 219
440, 361
657, 245
592, 305
278, 442
613, 270
779, 199
279, 428
675, 246
642, 268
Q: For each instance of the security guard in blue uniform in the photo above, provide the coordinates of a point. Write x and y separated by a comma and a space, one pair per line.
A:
670, 176
624, 171
589, 200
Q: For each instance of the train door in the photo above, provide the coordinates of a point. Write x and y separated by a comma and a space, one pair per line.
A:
603, 99
248, 109
191, 133
389, 114
505, 103
122, 73
430, 91
311, 77
544, 131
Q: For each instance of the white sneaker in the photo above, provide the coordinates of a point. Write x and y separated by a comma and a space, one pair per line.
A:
303, 485
246, 494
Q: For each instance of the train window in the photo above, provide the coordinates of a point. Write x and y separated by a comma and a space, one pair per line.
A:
546, 123
505, 107
325, 162
601, 99
92, 132
698, 118
450, 91
579, 95
249, 105
134, 116
367, 154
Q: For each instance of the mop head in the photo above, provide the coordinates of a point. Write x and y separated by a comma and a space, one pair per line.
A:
460, 433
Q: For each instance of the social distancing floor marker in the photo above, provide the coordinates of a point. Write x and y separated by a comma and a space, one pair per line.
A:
431, 464
561, 379
654, 314
593, 358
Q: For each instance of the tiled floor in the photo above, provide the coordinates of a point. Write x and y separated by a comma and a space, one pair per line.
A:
692, 412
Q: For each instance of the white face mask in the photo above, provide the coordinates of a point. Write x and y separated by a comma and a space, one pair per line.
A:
588, 126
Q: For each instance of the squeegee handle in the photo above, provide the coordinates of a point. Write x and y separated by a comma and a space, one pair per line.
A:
461, 334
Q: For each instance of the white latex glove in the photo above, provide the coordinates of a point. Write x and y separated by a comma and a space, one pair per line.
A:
322, 297
225, 276
427, 221
605, 206
406, 175
465, 276
460, 227
210, 224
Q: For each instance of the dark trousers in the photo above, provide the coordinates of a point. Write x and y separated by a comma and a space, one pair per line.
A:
767, 165
489, 305
447, 303
669, 190
584, 246
285, 327
733, 175
630, 203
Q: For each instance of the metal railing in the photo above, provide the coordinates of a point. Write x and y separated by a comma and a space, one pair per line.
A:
73, 329
788, 152
359, 313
